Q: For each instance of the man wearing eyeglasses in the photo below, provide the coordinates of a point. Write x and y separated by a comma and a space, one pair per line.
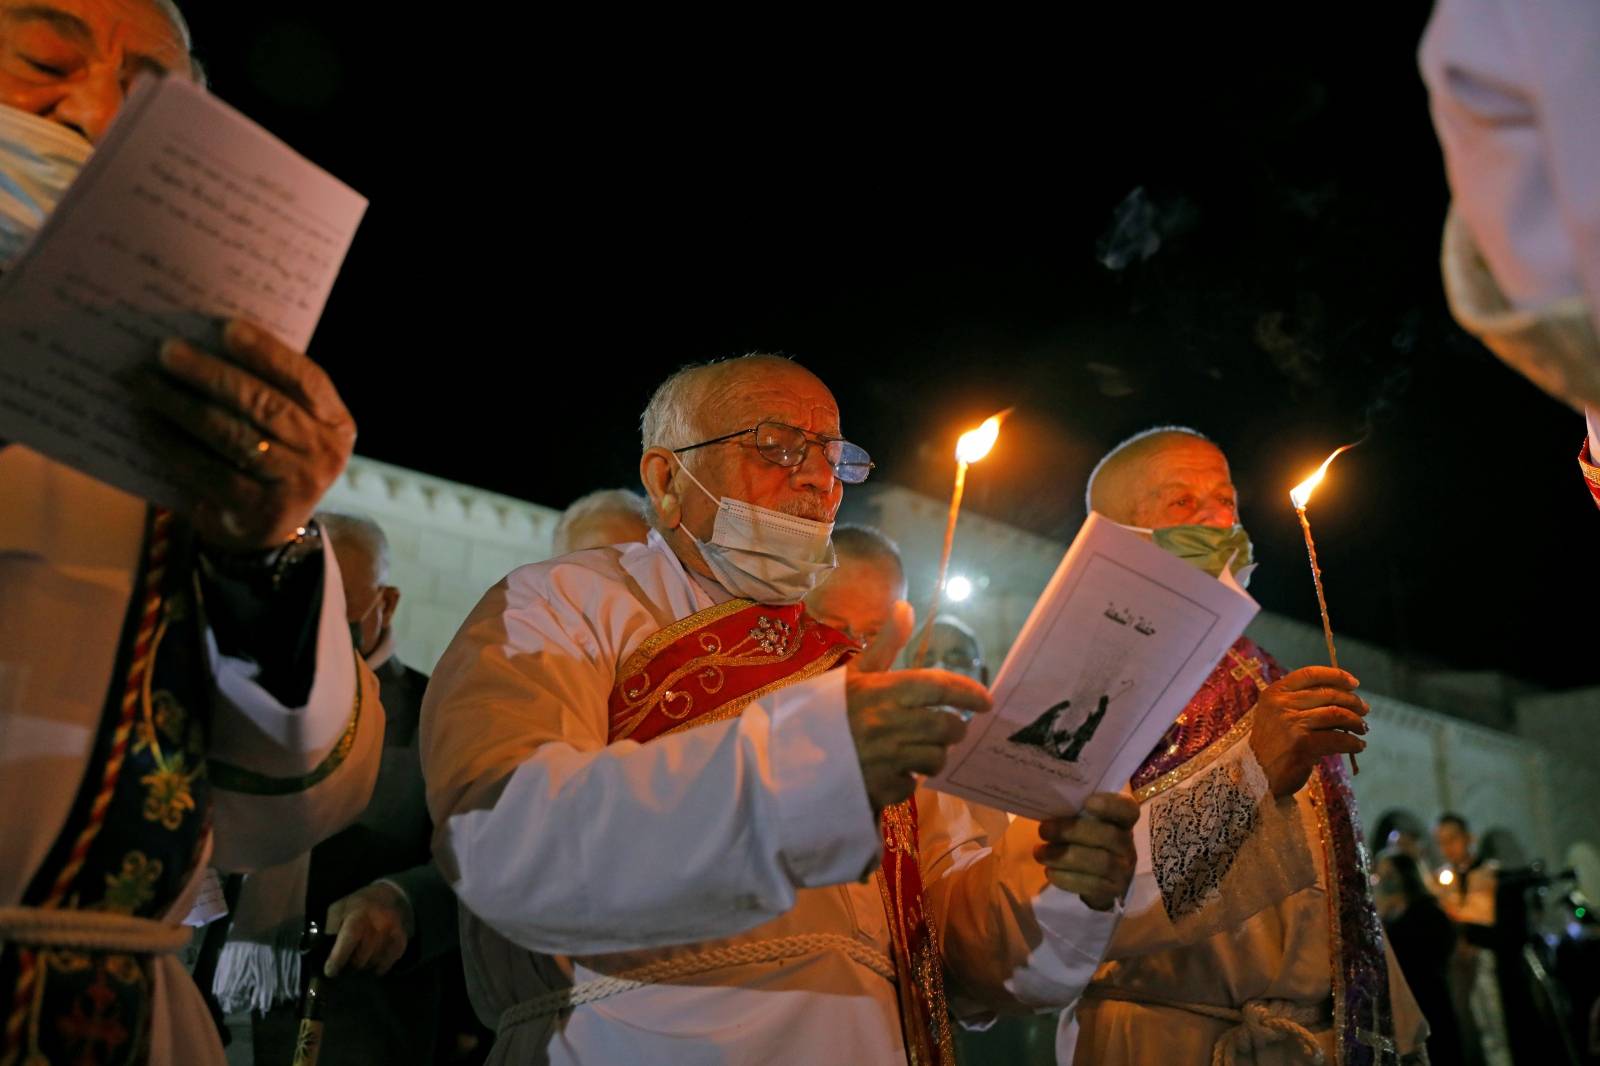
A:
681, 837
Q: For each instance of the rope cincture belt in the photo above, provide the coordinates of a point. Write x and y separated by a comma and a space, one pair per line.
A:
1257, 1022
775, 950
49, 927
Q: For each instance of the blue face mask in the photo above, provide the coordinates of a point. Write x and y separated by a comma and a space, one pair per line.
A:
1207, 548
38, 160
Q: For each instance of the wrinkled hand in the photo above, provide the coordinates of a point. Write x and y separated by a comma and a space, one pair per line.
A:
1302, 717
374, 925
262, 434
895, 718
1091, 853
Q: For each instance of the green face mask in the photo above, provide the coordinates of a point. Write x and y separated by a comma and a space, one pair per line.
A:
1205, 547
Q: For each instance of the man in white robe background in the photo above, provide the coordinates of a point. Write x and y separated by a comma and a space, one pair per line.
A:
262, 730
734, 855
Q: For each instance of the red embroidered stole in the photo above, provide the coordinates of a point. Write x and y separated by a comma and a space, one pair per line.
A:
713, 664
1591, 471
923, 1017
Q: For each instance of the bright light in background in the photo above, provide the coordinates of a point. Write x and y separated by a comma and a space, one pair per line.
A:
1446, 876
957, 589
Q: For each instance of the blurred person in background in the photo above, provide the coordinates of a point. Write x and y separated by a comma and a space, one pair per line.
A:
1424, 941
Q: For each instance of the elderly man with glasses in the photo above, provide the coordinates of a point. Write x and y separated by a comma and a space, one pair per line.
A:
680, 836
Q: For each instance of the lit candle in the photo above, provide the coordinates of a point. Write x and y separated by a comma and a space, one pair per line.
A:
1300, 496
972, 446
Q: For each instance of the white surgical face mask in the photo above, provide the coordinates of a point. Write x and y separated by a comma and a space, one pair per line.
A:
38, 160
764, 555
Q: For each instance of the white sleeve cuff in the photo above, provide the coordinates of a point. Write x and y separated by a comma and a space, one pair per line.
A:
1076, 938
253, 730
826, 830
398, 887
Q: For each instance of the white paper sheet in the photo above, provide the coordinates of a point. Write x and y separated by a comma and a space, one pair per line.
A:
1122, 637
209, 901
187, 213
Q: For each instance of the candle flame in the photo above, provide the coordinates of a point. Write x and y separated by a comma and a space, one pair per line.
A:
1300, 495
975, 443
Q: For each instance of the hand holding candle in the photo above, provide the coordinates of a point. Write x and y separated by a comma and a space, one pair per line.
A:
1300, 496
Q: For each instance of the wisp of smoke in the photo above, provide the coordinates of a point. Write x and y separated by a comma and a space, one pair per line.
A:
1133, 236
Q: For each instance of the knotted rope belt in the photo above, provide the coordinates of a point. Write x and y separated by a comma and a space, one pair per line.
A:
49, 927
774, 950
1261, 1021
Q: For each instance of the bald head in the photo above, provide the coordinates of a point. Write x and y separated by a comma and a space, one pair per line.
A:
859, 596
362, 552
1167, 476
604, 517
359, 544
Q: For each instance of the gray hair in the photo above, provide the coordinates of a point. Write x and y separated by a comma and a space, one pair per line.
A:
950, 621
174, 15
358, 530
1111, 457
615, 501
170, 9
870, 545
668, 420
672, 417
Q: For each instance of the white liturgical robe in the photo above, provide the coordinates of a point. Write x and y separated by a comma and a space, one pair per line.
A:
575, 859
69, 553
1148, 1000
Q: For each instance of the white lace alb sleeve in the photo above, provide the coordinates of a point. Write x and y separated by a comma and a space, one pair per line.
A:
1215, 847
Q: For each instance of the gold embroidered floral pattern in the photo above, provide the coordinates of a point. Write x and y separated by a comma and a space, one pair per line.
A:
770, 642
124, 968
773, 634
67, 961
914, 942
930, 983
1195, 835
134, 885
176, 608
167, 794
898, 831
164, 722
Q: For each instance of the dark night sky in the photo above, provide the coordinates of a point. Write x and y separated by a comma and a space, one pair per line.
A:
561, 214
